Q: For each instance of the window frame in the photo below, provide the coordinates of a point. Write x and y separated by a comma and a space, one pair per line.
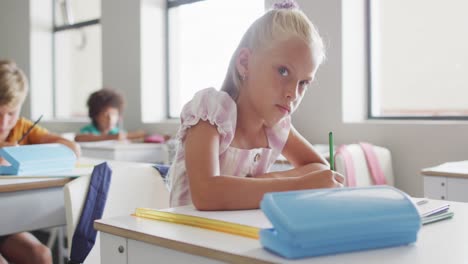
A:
56, 29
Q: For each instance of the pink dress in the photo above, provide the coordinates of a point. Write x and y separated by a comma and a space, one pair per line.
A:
218, 108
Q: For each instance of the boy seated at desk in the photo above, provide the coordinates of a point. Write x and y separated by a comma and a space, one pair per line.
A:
21, 247
105, 108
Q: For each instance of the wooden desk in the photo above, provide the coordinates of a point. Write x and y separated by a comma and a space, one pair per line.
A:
31, 204
122, 151
128, 240
448, 181
37, 202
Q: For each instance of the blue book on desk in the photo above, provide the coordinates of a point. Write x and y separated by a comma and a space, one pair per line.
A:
328, 221
37, 159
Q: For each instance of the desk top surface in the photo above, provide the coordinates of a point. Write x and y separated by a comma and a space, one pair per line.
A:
457, 169
12, 183
23, 184
120, 145
441, 242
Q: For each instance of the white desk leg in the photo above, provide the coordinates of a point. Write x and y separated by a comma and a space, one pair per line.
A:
113, 249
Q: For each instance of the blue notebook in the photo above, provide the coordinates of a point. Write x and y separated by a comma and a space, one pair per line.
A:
37, 159
327, 221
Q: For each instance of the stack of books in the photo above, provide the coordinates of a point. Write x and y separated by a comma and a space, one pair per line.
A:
433, 210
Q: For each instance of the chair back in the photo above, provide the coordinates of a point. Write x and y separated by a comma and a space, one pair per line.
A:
84, 236
133, 185
364, 164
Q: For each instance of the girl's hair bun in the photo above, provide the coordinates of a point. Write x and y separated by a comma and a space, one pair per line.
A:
286, 4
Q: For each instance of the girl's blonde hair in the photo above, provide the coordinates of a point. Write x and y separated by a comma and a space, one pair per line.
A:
13, 83
275, 25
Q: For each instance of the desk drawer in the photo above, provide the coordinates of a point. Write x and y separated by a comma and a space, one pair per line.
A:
113, 249
141, 252
435, 187
457, 189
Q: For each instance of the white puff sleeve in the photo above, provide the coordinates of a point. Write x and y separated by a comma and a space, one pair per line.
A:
216, 107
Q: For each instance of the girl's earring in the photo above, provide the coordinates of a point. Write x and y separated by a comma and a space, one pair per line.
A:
244, 76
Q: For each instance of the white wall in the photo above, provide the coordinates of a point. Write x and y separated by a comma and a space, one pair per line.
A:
121, 53
124, 55
414, 144
15, 38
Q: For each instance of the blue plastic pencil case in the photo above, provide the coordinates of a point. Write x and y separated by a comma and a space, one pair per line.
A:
37, 159
327, 221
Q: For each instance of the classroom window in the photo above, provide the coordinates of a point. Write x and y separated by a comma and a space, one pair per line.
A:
202, 35
77, 56
418, 59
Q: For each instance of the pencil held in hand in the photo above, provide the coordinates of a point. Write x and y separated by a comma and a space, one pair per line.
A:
29, 130
332, 158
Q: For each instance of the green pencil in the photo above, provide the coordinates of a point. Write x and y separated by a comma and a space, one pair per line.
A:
332, 158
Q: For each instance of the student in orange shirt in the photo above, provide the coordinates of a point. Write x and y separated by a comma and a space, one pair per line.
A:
22, 247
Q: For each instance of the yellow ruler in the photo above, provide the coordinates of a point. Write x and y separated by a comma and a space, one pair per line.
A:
202, 222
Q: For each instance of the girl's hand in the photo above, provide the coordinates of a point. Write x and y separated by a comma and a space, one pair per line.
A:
139, 134
122, 136
3, 161
323, 179
8, 144
309, 168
